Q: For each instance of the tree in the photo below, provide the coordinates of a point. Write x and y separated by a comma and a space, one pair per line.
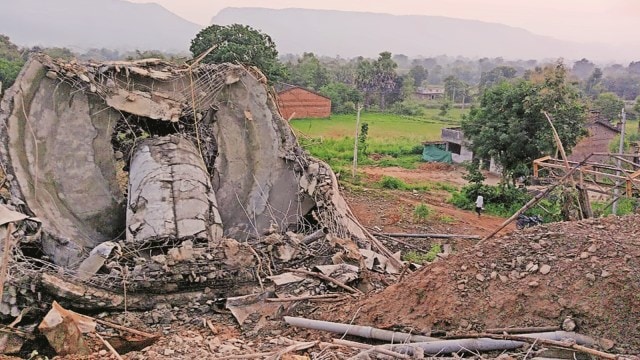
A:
495, 76
343, 97
592, 87
386, 79
419, 75
377, 78
11, 62
239, 44
509, 125
308, 72
456, 90
609, 105
583, 68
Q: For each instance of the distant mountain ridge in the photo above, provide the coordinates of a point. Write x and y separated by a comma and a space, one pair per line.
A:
84, 24
350, 34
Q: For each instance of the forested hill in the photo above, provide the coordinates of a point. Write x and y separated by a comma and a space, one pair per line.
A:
84, 24
350, 34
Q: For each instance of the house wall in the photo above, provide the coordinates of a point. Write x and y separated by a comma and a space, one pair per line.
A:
598, 140
301, 103
455, 136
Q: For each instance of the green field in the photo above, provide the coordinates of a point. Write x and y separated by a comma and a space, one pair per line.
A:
395, 140
382, 126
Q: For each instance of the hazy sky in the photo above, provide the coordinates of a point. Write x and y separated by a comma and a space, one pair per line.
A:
609, 21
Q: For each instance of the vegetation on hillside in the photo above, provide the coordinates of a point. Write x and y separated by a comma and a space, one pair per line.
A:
238, 44
510, 127
11, 61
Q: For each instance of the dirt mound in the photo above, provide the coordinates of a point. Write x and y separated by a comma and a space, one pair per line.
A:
584, 270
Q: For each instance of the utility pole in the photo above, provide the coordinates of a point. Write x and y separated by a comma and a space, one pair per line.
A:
614, 207
355, 145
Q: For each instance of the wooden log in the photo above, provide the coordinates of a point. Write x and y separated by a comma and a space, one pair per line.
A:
327, 278
402, 242
378, 349
302, 298
170, 194
522, 330
578, 346
433, 236
533, 201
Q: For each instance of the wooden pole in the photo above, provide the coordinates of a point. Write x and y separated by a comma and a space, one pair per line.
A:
355, 145
614, 207
533, 201
434, 236
585, 208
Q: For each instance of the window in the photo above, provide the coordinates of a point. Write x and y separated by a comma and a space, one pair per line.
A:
454, 148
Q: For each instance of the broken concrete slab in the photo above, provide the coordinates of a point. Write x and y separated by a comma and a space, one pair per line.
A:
64, 329
170, 194
90, 145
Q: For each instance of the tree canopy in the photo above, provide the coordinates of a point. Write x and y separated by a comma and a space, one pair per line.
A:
378, 77
239, 44
609, 105
10, 62
308, 72
510, 127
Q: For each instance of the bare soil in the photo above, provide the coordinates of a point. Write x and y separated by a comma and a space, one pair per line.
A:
587, 271
392, 210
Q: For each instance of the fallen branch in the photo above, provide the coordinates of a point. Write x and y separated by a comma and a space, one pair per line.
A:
246, 356
123, 328
106, 343
326, 278
273, 354
292, 348
378, 349
555, 343
302, 298
522, 330
401, 242
367, 332
426, 235
533, 201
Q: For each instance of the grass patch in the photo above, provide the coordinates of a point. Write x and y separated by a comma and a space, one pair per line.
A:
626, 206
421, 258
421, 212
392, 140
390, 182
393, 183
446, 219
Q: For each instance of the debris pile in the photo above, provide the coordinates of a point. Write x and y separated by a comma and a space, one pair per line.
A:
145, 183
580, 274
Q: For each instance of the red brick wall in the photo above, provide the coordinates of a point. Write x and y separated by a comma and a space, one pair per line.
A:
597, 141
303, 104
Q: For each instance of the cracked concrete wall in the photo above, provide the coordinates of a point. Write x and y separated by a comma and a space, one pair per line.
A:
57, 147
61, 164
255, 177
170, 194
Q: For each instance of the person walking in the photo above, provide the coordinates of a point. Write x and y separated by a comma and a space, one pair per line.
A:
479, 204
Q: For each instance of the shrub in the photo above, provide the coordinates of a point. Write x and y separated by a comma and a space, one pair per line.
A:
421, 212
421, 258
390, 182
408, 107
499, 200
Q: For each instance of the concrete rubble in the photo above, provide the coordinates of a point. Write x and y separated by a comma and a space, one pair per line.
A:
145, 183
